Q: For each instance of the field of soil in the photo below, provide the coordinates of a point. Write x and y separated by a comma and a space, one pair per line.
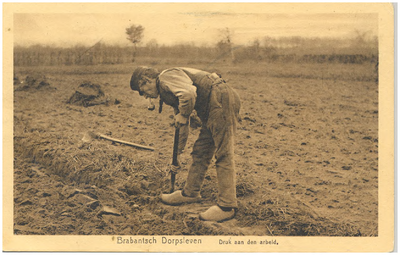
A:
306, 154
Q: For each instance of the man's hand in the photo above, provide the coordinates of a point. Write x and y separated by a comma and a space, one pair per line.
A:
175, 169
180, 120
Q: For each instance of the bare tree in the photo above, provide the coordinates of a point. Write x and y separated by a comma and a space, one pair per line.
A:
135, 35
226, 42
152, 46
256, 49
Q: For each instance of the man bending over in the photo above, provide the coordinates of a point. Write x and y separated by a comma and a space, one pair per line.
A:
217, 105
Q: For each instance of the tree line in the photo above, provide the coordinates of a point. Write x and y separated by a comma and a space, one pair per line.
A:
285, 49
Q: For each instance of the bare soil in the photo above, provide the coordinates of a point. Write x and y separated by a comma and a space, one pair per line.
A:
306, 155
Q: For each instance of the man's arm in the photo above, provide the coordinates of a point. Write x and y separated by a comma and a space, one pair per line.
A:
183, 132
181, 86
177, 82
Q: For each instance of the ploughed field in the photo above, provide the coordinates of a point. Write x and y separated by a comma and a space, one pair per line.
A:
306, 154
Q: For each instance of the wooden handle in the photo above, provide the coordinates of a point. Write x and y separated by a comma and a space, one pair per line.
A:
175, 161
126, 143
176, 147
172, 182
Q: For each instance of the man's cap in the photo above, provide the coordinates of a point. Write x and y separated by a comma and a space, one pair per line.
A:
140, 71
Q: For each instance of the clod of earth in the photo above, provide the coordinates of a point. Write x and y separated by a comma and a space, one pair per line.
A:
74, 192
89, 94
93, 205
83, 199
26, 202
35, 81
16, 80
109, 211
249, 119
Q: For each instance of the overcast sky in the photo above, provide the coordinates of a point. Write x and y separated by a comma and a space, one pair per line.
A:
169, 28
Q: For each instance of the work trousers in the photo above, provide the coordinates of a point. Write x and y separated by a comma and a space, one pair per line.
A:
217, 137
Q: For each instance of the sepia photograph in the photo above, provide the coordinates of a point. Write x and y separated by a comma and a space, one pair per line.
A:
198, 127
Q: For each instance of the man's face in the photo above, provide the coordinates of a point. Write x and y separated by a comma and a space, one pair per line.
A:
148, 88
